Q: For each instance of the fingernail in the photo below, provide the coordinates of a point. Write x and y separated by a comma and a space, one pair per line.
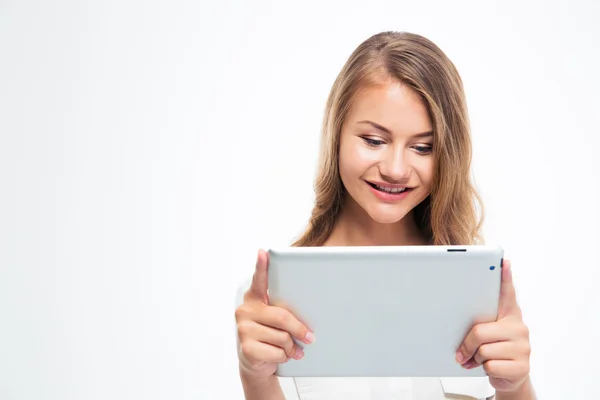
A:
309, 338
298, 354
459, 357
470, 364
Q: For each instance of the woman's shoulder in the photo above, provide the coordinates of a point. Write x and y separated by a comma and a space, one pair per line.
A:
240, 290
386, 388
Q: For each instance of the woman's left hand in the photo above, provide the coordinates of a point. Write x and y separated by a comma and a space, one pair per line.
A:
502, 347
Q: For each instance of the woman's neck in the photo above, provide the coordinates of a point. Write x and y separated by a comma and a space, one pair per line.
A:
354, 227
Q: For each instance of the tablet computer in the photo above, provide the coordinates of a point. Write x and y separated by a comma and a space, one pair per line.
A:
385, 311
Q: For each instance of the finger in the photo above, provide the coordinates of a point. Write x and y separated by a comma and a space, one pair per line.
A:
506, 350
508, 296
253, 331
506, 369
280, 318
260, 279
479, 335
257, 353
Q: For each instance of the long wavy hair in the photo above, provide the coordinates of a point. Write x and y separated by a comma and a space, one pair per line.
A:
453, 213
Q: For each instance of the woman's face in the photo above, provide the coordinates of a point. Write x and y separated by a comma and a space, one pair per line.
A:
386, 161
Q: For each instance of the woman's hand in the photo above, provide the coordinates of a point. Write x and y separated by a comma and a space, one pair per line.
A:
502, 347
265, 332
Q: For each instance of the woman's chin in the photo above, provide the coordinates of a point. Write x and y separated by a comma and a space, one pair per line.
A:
386, 216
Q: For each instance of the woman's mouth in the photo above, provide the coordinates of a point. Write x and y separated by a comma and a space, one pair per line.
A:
389, 193
387, 189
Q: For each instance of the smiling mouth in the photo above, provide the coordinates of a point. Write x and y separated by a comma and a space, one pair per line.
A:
384, 189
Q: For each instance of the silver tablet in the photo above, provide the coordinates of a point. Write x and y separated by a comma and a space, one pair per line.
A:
385, 311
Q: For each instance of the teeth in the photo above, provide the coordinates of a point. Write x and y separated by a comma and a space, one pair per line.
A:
390, 190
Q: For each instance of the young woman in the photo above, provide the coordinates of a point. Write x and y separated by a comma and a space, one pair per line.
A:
394, 170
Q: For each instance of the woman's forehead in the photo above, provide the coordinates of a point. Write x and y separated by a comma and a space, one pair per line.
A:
392, 105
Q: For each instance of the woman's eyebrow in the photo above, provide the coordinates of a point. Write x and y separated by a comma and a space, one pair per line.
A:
389, 132
424, 134
376, 126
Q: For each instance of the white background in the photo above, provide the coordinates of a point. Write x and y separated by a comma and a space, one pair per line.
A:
149, 148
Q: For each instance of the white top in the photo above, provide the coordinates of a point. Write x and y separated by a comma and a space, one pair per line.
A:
380, 388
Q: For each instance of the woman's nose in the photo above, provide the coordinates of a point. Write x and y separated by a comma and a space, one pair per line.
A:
394, 167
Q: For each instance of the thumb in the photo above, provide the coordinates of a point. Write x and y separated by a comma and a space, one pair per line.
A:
508, 296
260, 279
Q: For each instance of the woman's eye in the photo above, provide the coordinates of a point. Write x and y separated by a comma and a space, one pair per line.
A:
423, 149
373, 142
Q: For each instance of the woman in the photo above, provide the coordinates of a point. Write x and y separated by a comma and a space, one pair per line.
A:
394, 170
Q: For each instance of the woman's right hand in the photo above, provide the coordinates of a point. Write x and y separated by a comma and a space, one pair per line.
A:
265, 332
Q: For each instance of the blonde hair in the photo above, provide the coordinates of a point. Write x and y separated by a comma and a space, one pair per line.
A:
449, 216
